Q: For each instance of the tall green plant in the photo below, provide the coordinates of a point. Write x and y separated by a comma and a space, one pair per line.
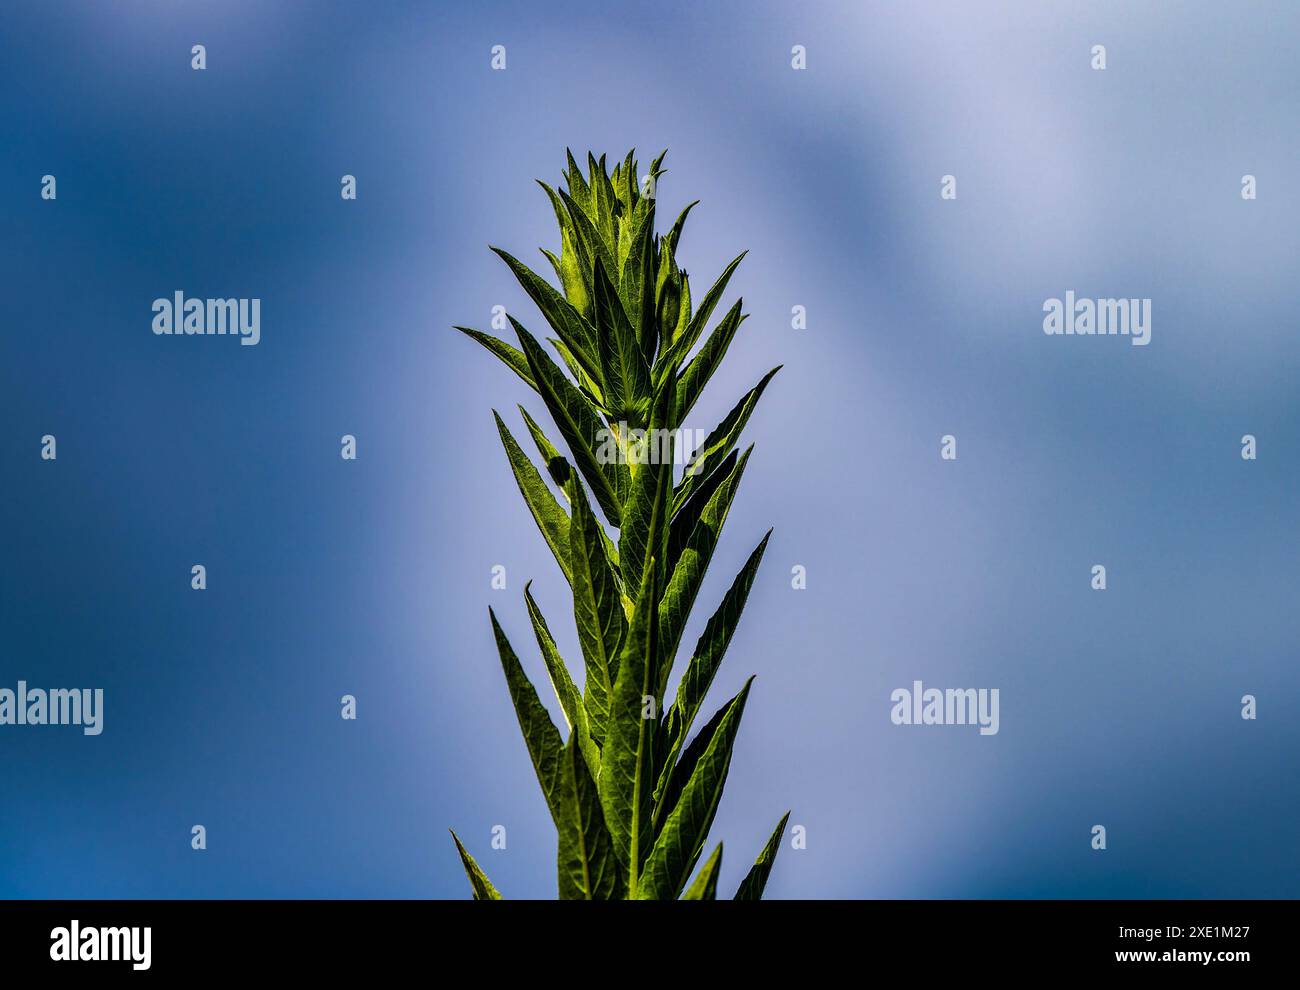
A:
632, 800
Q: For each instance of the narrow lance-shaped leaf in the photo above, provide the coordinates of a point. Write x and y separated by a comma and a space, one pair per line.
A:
573, 267
623, 367
562, 217
718, 443
577, 185
647, 325
573, 275
656, 166
551, 519
701, 367
555, 266
705, 661
560, 471
624, 224
681, 346
587, 867
645, 515
597, 608
691, 565
629, 194
678, 772
674, 235
580, 426
545, 746
556, 466
668, 289
686, 826
566, 321
636, 282
705, 887
589, 243
751, 888
588, 386
575, 712
627, 756
683, 312
688, 514
514, 358
478, 881
603, 204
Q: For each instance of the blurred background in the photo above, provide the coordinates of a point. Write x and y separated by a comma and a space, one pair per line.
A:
372, 577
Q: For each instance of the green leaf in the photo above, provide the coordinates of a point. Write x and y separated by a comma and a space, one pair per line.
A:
555, 263
674, 236
597, 609
588, 869
693, 561
668, 290
580, 426
545, 747
551, 519
478, 881
627, 755
569, 325
556, 466
573, 267
604, 203
717, 445
751, 888
706, 660
590, 241
575, 713
628, 194
704, 765
513, 358
560, 470
683, 309
701, 367
623, 368
573, 275
588, 386
645, 514
705, 887
578, 188
562, 218
685, 518
655, 168
636, 281
682, 344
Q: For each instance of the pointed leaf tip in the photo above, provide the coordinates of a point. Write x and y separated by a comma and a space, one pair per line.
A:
751, 888
479, 883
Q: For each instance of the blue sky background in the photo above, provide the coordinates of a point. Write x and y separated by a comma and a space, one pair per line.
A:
372, 577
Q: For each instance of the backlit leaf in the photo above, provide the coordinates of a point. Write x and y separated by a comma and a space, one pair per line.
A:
751, 888
627, 754
543, 740
705, 886
478, 881
693, 804
588, 869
